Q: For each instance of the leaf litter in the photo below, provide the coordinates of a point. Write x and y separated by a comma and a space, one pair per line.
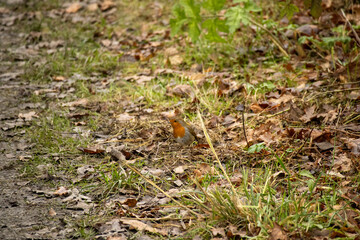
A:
303, 123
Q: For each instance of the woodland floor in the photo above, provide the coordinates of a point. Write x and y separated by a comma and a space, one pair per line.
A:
80, 81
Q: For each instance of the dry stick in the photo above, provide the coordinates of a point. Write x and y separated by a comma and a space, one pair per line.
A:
243, 123
272, 37
352, 29
120, 157
332, 91
216, 156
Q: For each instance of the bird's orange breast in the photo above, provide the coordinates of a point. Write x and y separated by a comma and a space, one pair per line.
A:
179, 131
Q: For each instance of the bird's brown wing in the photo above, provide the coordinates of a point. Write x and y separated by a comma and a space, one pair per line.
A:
191, 130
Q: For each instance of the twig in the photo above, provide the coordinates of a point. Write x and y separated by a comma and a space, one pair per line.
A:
278, 113
338, 90
216, 156
118, 155
272, 37
243, 123
352, 29
345, 132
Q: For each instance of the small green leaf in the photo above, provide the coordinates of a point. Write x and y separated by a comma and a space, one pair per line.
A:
194, 31
256, 148
234, 17
250, 6
176, 25
192, 10
306, 173
221, 25
178, 12
214, 5
288, 9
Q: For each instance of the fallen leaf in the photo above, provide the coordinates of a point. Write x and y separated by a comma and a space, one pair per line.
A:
106, 5
309, 114
353, 145
140, 226
176, 60
139, 79
171, 51
307, 30
92, 150
106, 42
183, 90
218, 231
92, 7
58, 78
62, 191
52, 212
73, 8
277, 233
79, 102
324, 146
180, 169
82, 171
131, 202
28, 116
228, 120
124, 117
202, 145
256, 108
343, 164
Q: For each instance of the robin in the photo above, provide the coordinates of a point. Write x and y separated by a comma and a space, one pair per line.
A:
183, 132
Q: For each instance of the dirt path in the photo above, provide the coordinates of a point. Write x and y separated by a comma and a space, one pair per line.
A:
23, 212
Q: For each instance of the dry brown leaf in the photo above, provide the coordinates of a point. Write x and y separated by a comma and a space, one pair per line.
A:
329, 116
131, 202
176, 60
106, 5
343, 164
58, 78
309, 114
353, 144
218, 231
277, 233
140, 79
106, 42
256, 108
324, 146
282, 99
138, 225
180, 169
183, 90
308, 30
79, 102
92, 150
62, 191
52, 212
92, 7
73, 8
204, 168
28, 116
124, 117
171, 51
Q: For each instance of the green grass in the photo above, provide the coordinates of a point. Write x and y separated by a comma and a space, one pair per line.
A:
272, 190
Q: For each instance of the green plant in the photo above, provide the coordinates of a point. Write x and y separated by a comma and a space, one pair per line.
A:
203, 19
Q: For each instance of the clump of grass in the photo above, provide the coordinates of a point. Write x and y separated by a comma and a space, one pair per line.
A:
264, 199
